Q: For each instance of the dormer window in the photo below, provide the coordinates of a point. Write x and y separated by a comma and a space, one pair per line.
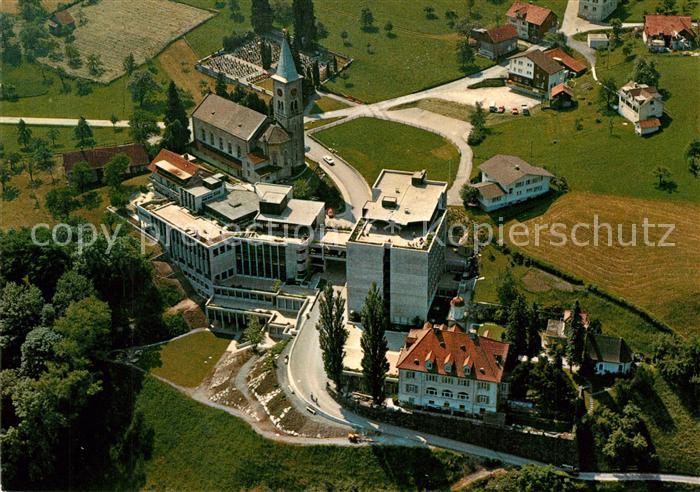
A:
467, 370
448, 367
429, 365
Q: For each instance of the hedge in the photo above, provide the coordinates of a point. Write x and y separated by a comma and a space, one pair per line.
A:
496, 82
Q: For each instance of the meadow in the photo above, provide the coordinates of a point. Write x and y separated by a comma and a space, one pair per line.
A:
370, 145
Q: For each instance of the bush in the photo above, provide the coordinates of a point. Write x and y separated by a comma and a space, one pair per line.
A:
476, 136
488, 83
170, 294
175, 324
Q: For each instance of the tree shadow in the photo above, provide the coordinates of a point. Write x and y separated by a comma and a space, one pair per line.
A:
669, 186
370, 29
391, 35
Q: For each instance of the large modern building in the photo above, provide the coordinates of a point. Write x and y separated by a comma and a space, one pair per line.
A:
399, 243
447, 368
251, 145
507, 180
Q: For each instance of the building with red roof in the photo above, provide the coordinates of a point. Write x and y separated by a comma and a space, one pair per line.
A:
662, 32
532, 22
573, 65
98, 157
61, 22
496, 42
446, 368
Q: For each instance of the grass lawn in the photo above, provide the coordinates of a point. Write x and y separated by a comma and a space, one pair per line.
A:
492, 330
65, 142
317, 123
199, 448
371, 145
549, 290
457, 111
635, 10
187, 360
325, 104
208, 37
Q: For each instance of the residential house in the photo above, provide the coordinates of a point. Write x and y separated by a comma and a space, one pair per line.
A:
596, 10
598, 41
534, 73
399, 243
98, 157
507, 180
531, 21
251, 145
496, 42
574, 66
642, 105
555, 333
61, 22
608, 355
562, 96
445, 368
662, 32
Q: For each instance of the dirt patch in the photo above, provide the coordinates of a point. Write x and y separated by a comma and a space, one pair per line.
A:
163, 268
220, 385
178, 61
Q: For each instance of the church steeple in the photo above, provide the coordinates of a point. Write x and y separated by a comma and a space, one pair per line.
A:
286, 70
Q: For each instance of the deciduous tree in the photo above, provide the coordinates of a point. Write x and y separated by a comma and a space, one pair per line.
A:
141, 85
83, 134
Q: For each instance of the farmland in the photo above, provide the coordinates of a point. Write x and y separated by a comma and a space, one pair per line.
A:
371, 145
178, 60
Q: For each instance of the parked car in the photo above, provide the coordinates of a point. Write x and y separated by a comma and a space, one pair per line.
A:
492, 107
330, 213
329, 160
513, 110
501, 109
525, 110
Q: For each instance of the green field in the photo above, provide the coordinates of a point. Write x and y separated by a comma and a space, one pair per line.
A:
207, 38
371, 145
188, 360
200, 448
635, 10
548, 290
325, 104
620, 163
65, 142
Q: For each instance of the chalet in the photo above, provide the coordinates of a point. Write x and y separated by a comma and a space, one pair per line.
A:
507, 180
574, 66
534, 73
596, 10
642, 105
555, 333
446, 368
97, 158
531, 21
496, 42
663, 32
61, 22
562, 96
608, 355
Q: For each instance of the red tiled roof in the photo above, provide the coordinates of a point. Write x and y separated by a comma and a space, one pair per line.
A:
97, 158
175, 159
64, 17
502, 33
562, 88
534, 14
583, 316
667, 25
485, 357
560, 56
650, 123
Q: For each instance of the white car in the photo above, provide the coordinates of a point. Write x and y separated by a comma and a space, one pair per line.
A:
329, 160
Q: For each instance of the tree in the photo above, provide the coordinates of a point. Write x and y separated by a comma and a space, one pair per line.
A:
465, 53
344, 36
71, 287
607, 92
142, 126
73, 56
37, 350
61, 202
468, 194
595, 327
235, 7
507, 290
692, 155
304, 23
175, 137
95, 66
175, 109
52, 135
253, 332
316, 72
517, 326
302, 191
332, 334
115, 171
81, 176
129, 64
366, 19
429, 12
5, 175
265, 55
83, 134
141, 85
575, 336
645, 72
620, 437
374, 344
220, 88
557, 40
253, 101
536, 321
627, 50
261, 16
24, 134
616, 24
31, 10
388, 28
551, 389
478, 117
678, 361
662, 174
20, 312
42, 157
85, 330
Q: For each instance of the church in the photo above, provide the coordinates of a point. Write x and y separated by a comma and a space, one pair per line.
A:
251, 145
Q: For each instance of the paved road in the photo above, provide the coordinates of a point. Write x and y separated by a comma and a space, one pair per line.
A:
641, 477
13, 120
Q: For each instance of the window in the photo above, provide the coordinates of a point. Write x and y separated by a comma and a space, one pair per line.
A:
410, 374
482, 399
211, 138
483, 386
221, 143
203, 134
448, 368
411, 388
468, 369
238, 151
431, 378
446, 380
447, 394
462, 382
429, 364
431, 391
462, 395
230, 149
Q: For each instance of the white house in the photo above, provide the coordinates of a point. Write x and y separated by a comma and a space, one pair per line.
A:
596, 10
446, 368
608, 355
642, 105
507, 179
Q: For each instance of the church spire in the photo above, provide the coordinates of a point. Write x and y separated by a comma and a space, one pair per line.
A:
286, 69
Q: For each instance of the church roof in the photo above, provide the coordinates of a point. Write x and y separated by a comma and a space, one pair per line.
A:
275, 134
231, 117
286, 69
